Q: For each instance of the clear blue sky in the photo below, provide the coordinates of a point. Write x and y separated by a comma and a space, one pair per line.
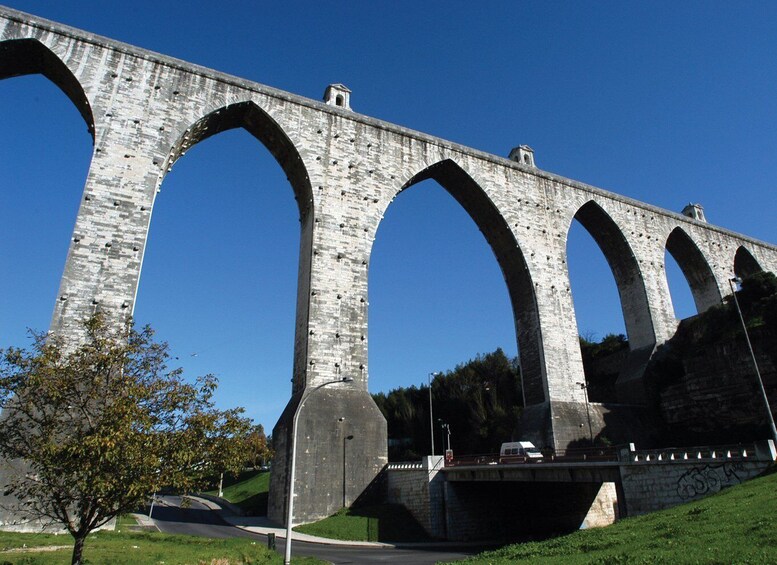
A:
665, 102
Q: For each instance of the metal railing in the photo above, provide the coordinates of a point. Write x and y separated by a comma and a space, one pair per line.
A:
739, 452
587, 454
611, 454
405, 466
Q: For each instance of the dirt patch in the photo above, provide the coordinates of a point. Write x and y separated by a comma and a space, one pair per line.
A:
37, 549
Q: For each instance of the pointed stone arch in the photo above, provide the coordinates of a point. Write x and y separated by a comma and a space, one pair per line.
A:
19, 57
258, 123
633, 297
625, 268
745, 264
27, 57
249, 116
492, 224
695, 268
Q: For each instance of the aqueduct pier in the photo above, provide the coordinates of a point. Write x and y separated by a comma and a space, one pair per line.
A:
144, 110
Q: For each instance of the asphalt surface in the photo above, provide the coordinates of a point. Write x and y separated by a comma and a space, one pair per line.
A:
196, 519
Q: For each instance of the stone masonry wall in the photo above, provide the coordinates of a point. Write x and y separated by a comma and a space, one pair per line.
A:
419, 487
718, 396
345, 169
658, 484
605, 508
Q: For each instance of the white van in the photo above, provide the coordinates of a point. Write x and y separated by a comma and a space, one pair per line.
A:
523, 449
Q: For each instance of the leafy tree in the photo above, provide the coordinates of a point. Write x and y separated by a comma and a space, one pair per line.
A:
480, 400
756, 289
727, 409
257, 446
92, 429
611, 343
602, 361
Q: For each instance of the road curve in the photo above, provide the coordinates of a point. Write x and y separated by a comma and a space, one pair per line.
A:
198, 519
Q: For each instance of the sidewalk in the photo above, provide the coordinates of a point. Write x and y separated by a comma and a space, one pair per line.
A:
262, 525
144, 521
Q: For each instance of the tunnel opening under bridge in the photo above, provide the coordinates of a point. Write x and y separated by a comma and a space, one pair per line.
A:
513, 511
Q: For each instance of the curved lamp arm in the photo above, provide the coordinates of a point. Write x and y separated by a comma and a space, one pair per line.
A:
292, 472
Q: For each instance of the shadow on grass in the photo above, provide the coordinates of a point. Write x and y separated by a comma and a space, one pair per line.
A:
248, 491
231, 480
379, 522
255, 505
393, 523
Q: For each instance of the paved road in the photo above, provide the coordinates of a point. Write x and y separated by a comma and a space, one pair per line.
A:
198, 520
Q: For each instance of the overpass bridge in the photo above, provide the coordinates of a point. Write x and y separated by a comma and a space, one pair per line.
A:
489, 497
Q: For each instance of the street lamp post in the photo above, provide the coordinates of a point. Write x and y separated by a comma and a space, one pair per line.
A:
292, 471
431, 414
447, 428
584, 386
752, 355
345, 484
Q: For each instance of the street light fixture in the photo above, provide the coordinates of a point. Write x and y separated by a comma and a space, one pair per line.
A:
431, 415
731, 282
290, 503
345, 484
447, 428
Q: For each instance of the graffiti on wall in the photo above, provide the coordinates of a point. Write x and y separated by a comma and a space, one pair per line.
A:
699, 481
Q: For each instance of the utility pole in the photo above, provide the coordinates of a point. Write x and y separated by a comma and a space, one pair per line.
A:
293, 464
584, 386
770, 417
447, 428
431, 413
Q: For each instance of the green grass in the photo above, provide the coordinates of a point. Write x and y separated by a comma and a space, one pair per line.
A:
738, 525
125, 521
109, 548
248, 491
384, 522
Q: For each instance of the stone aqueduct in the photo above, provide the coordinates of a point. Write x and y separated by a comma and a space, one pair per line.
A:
145, 110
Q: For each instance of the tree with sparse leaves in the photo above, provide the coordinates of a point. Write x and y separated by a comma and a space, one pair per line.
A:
91, 430
258, 451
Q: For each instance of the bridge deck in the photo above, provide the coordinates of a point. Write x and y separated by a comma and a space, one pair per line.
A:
557, 471
589, 465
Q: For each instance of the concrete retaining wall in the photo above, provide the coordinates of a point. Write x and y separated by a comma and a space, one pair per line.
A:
513, 502
662, 482
419, 487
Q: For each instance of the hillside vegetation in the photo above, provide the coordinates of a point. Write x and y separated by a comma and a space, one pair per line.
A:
481, 400
248, 491
703, 379
737, 525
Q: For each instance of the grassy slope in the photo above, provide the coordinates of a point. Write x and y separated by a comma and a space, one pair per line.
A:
108, 548
383, 522
738, 525
375, 523
248, 491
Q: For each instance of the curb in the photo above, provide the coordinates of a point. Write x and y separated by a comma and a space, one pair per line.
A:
233, 512
144, 521
222, 504
307, 538
219, 505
